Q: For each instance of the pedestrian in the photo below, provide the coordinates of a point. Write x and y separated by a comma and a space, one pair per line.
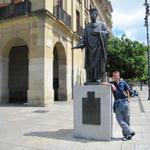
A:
121, 108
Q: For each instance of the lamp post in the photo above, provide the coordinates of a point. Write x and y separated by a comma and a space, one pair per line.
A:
147, 14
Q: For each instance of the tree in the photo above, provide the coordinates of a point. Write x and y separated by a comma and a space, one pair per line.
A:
127, 56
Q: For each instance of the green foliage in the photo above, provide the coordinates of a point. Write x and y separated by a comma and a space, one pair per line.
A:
127, 56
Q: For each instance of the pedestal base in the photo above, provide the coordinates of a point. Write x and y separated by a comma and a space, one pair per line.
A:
93, 112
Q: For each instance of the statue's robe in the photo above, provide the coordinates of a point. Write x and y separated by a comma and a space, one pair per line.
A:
95, 42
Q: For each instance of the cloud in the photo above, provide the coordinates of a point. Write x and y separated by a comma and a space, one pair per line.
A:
125, 20
118, 32
129, 17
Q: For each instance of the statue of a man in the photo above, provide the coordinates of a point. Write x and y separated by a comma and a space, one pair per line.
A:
94, 41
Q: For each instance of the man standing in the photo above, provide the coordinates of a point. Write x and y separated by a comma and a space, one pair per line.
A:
121, 105
95, 43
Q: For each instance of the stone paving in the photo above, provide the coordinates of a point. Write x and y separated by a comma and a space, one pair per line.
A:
51, 128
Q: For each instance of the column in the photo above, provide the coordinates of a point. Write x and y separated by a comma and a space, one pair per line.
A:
36, 91
48, 71
4, 93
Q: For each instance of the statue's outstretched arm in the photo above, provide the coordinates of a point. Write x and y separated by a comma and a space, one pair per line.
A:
80, 44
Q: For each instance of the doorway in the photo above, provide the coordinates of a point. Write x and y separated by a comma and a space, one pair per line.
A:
59, 73
18, 74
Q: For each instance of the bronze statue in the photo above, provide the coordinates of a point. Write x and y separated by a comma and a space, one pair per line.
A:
94, 41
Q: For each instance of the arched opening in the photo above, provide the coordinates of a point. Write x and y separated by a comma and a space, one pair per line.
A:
59, 73
14, 74
18, 74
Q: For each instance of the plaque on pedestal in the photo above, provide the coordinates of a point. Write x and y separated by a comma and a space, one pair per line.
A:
91, 109
93, 112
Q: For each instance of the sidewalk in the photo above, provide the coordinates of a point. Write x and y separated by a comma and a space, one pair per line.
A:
51, 128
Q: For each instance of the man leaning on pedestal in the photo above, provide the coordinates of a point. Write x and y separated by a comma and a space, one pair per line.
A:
121, 94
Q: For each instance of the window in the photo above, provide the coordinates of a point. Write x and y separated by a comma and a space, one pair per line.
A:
61, 3
58, 2
10, 1
5, 1
78, 20
86, 22
91, 4
86, 3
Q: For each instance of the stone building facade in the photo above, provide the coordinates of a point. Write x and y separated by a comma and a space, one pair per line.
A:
37, 64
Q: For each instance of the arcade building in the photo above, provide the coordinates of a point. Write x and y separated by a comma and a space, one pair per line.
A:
37, 64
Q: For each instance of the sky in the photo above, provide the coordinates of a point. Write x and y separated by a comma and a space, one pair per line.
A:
128, 18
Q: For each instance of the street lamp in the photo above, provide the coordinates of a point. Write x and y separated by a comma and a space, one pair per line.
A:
147, 14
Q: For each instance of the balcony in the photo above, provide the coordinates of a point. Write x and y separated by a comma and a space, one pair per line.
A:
62, 15
15, 9
79, 30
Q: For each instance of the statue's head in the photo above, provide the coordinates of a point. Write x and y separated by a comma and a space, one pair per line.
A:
93, 14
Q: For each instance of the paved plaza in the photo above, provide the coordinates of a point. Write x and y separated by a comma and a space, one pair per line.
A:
51, 128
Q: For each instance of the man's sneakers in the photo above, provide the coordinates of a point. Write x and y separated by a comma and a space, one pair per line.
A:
128, 137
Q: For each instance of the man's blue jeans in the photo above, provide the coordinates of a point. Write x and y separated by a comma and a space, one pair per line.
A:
122, 111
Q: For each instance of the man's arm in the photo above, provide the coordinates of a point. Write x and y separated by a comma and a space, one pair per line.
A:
127, 89
110, 84
128, 92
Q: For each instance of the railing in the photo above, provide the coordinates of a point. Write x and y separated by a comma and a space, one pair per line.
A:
13, 10
62, 15
79, 30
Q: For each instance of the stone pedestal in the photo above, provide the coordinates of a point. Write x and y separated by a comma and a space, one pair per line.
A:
93, 112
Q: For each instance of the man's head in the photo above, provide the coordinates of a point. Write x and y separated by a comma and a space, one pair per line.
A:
116, 76
93, 14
